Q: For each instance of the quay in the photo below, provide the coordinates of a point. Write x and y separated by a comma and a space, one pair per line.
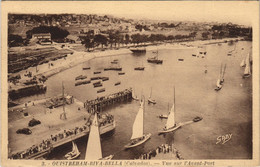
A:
102, 102
19, 91
54, 130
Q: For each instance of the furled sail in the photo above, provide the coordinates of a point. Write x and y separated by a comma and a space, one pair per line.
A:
94, 151
138, 123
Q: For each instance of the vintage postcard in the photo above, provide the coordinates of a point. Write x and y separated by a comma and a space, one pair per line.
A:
130, 83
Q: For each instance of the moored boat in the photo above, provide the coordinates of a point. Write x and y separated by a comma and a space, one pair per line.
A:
113, 69
162, 116
86, 68
117, 83
138, 50
104, 78
97, 72
80, 77
139, 68
101, 90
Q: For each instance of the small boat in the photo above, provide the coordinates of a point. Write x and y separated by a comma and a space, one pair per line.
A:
82, 82
113, 69
150, 100
94, 149
104, 78
94, 78
97, 85
155, 59
171, 125
86, 68
139, 68
101, 90
163, 116
197, 119
74, 153
117, 83
247, 71
121, 73
97, 72
138, 50
80, 77
98, 82
138, 136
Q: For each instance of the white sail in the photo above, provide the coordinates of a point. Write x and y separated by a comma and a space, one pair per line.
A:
138, 123
76, 150
247, 69
171, 118
73, 147
243, 63
93, 151
218, 83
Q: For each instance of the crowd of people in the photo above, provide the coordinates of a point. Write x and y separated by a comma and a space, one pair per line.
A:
163, 149
48, 143
90, 105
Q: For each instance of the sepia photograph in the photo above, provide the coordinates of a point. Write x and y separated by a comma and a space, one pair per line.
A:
145, 83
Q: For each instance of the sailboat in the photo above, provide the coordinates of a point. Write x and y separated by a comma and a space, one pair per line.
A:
134, 97
171, 125
155, 59
220, 80
150, 100
74, 153
247, 72
243, 63
94, 151
138, 136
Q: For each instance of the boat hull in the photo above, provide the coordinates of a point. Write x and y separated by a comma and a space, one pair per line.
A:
138, 50
72, 157
151, 101
169, 130
146, 137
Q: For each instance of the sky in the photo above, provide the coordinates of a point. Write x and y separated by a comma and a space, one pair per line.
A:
240, 12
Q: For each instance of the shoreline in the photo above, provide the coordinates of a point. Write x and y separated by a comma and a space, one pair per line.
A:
80, 57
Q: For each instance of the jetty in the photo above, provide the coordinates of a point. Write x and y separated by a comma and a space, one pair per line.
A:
102, 102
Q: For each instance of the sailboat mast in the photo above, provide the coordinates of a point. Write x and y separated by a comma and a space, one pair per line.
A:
63, 98
224, 71
174, 100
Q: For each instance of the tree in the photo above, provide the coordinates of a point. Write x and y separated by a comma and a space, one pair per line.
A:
127, 39
14, 40
205, 35
88, 41
100, 39
56, 32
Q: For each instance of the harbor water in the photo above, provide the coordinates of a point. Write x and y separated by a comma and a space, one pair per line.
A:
224, 112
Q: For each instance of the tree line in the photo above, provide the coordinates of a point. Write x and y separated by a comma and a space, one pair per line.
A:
116, 39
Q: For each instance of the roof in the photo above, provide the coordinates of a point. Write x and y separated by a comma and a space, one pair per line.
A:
41, 34
73, 37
